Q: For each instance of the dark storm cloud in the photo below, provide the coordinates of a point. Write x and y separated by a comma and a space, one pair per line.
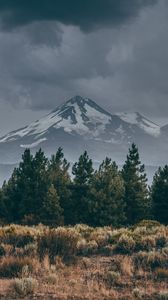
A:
45, 58
87, 14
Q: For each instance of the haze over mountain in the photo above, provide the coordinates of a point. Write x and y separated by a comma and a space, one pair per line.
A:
80, 124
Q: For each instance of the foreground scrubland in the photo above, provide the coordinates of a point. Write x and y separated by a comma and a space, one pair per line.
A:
82, 262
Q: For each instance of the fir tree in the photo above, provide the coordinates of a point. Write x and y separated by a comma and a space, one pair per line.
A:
17, 192
106, 204
27, 188
60, 178
136, 191
40, 181
159, 195
51, 212
3, 207
83, 173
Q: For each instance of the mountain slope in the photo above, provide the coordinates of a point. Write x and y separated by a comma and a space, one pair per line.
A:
77, 116
145, 124
81, 124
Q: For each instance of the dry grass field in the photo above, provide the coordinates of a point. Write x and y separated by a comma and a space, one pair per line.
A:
84, 263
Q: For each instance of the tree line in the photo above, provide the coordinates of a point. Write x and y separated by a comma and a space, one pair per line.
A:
41, 190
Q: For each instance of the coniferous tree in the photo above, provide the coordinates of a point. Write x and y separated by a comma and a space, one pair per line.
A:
60, 178
136, 191
106, 204
83, 173
3, 207
159, 195
24, 188
27, 188
17, 192
51, 213
40, 181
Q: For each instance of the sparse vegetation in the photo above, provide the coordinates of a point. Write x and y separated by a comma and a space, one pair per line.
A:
12, 266
66, 261
25, 286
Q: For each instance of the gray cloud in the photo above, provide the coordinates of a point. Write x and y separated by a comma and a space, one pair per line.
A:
121, 67
85, 14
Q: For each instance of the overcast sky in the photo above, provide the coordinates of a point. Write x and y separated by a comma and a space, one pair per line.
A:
112, 51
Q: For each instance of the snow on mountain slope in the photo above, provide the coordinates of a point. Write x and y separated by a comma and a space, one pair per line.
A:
35, 144
80, 124
137, 119
78, 115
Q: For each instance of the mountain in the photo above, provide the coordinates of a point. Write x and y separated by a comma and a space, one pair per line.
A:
81, 124
142, 122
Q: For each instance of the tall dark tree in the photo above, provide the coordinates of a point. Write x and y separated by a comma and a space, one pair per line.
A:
106, 205
18, 192
52, 213
136, 191
40, 181
83, 174
3, 207
27, 188
60, 178
159, 195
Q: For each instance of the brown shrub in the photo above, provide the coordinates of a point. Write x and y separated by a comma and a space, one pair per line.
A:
111, 278
151, 260
161, 273
25, 286
60, 241
11, 267
125, 244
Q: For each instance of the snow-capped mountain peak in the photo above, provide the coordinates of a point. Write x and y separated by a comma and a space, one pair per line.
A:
81, 124
77, 115
142, 122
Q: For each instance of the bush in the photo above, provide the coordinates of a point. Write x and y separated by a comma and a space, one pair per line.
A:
84, 230
25, 286
147, 243
161, 240
151, 261
100, 236
11, 267
161, 273
162, 296
19, 236
2, 250
147, 224
112, 278
51, 278
60, 241
30, 250
86, 248
137, 293
125, 244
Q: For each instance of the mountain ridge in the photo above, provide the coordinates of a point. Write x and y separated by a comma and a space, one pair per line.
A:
79, 124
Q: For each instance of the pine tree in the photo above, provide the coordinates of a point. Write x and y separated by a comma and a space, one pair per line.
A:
17, 191
51, 212
136, 191
24, 187
83, 170
27, 188
60, 178
106, 204
159, 195
83, 173
40, 181
3, 208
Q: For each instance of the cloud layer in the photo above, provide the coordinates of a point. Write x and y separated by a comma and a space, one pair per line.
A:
87, 14
111, 51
